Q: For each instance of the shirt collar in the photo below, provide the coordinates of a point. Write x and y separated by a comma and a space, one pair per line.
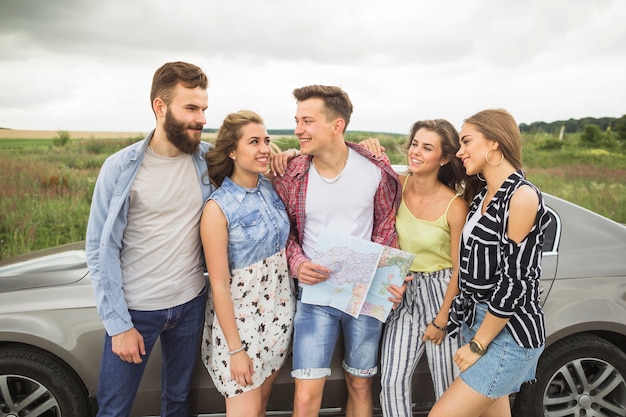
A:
239, 192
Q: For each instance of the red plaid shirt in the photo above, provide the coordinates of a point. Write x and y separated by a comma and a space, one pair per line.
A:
292, 190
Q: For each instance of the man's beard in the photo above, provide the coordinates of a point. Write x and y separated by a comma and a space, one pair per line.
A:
176, 133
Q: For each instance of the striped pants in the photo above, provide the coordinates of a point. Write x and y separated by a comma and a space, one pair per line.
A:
402, 345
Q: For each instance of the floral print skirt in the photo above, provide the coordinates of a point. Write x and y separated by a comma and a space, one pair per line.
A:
264, 304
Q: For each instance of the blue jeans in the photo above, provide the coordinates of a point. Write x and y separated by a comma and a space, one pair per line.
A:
180, 329
316, 330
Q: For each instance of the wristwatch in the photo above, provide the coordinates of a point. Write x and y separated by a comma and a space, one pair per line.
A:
477, 348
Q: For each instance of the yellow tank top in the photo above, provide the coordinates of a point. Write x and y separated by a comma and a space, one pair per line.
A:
429, 241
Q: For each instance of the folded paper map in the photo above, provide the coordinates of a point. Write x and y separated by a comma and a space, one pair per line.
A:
361, 273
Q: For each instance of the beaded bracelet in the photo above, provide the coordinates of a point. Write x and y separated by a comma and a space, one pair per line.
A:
443, 329
239, 349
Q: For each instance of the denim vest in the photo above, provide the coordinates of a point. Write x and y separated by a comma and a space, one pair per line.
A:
258, 225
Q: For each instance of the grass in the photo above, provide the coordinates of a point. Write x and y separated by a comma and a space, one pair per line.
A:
592, 178
45, 190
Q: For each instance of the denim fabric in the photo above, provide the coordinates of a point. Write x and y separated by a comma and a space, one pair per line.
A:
506, 365
258, 226
180, 329
316, 329
107, 222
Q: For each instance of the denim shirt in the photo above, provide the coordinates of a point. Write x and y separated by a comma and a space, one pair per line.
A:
258, 225
106, 225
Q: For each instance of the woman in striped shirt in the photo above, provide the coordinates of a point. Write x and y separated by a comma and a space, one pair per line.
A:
497, 311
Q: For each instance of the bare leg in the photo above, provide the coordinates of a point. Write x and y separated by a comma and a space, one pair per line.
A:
308, 397
460, 400
500, 408
359, 396
245, 405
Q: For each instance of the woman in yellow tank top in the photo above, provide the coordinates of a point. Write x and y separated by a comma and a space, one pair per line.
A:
429, 223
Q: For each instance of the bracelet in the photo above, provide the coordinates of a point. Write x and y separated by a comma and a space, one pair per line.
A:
443, 329
232, 352
296, 152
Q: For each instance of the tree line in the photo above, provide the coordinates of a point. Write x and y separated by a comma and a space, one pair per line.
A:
616, 125
604, 124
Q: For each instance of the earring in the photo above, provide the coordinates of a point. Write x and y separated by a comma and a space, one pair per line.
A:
480, 177
494, 165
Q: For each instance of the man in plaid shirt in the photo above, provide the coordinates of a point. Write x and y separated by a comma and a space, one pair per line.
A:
342, 186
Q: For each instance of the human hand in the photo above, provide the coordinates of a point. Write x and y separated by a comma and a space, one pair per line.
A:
434, 334
241, 368
397, 293
373, 145
129, 346
464, 357
310, 273
278, 162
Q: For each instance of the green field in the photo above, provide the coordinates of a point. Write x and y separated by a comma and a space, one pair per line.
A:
45, 190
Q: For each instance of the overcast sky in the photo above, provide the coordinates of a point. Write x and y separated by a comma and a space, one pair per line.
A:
88, 65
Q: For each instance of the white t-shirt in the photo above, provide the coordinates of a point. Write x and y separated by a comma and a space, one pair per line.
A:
345, 205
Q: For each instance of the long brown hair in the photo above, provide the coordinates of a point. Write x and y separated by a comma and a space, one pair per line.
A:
218, 160
451, 174
498, 125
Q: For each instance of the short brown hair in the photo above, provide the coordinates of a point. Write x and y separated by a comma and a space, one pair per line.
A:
171, 74
336, 101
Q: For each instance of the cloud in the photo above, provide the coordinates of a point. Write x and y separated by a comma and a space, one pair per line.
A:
87, 65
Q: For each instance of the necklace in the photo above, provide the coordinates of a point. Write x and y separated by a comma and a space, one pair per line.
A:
335, 178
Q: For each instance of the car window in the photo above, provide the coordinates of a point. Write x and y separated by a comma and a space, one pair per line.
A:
552, 234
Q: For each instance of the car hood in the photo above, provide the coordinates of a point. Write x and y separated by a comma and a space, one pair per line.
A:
60, 265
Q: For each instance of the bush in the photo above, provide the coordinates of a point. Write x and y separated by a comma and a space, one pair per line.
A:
549, 145
285, 143
62, 139
620, 129
593, 137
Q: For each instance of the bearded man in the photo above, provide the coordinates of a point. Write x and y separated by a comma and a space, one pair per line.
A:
143, 247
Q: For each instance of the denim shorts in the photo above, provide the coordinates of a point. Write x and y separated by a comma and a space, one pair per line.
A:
316, 330
506, 365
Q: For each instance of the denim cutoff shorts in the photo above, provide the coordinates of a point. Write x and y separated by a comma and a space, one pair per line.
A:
506, 365
316, 330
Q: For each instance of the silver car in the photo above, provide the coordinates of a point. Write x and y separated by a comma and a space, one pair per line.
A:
51, 337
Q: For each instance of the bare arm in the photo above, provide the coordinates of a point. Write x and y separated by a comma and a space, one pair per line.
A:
214, 234
523, 211
456, 220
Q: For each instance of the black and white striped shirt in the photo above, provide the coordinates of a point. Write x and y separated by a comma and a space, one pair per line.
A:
496, 270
